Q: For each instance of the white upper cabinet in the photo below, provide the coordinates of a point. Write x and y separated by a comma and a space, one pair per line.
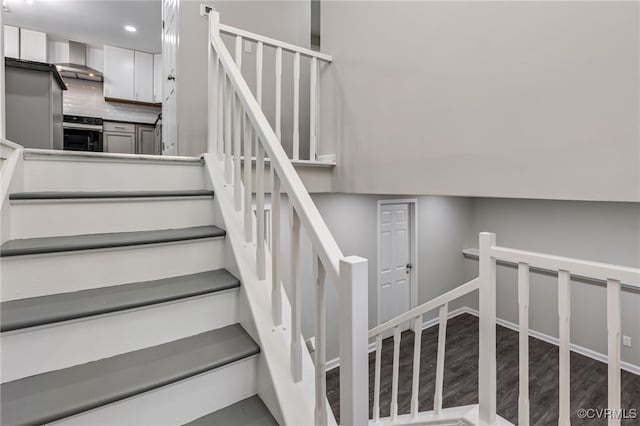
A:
143, 77
11, 42
129, 75
33, 45
157, 78
119, 65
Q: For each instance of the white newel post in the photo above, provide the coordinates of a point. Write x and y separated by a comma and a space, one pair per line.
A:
487, 354
212, 111
354, 357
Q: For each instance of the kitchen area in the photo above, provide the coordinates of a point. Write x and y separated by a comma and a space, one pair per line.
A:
93, 87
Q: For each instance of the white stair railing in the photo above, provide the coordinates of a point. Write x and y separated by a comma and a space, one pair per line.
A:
415, 317
235, 115
315, 59
613, 276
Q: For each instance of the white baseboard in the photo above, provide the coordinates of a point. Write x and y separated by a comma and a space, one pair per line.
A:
335, 362
627, 366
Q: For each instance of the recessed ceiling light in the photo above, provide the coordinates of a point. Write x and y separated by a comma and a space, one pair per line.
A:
91, 74
130, 28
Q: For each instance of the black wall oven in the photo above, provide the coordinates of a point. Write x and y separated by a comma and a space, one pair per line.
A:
82, 133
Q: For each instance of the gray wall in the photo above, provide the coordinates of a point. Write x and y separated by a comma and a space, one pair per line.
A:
508, 99
288, 21
443, 224
604, 232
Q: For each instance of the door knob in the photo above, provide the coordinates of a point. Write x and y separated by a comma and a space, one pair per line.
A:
171, 77
409, 266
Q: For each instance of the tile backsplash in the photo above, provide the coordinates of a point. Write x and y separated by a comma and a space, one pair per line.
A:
87, 98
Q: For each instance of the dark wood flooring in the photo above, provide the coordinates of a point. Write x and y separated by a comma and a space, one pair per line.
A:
588, 377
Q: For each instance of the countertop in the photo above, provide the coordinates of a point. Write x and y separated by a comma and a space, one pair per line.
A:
36, 66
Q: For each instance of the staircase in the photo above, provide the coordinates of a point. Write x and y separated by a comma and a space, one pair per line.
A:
118, 305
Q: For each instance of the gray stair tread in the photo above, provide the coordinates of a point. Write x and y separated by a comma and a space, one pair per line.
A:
248, 412
62, 195
58, 394
22, 313
98, 241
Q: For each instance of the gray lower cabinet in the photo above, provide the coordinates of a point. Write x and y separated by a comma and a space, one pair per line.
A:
130, 138
124, 143
145, 141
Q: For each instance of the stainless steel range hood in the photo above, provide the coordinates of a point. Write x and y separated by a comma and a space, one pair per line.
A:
77, 65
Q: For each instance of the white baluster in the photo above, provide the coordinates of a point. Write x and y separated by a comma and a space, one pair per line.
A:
415, 386
276, 295
396, 368
320, 352
238, 53
614, 309
523, 302
237, 135
564, 314
237, 171
296, 106
260, 249
376, 389
442, 340
487, 349
296, 297
278, 126
228, 164
313, 110
220, 109
248, 213
354, 322
259, 73
212, 86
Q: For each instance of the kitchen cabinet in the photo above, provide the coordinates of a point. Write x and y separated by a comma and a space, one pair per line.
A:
130, 138
157, 78
145, 141
143, 71
33, 45
129, 75
11, 42
119, 77
124, 143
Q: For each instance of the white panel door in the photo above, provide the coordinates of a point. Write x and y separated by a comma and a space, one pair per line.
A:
394, 262
119, 66
143, 76
169, 52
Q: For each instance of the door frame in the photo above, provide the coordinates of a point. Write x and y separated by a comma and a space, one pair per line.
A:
412, 204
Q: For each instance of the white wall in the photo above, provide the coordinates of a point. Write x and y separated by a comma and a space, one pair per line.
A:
284, 20
604, 232
509, 99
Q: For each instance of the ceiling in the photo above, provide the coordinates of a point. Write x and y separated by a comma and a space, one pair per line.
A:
95, 22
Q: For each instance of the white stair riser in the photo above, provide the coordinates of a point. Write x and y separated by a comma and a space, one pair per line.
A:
41, 275
62, 175
77, 217
83, 340
178, 403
